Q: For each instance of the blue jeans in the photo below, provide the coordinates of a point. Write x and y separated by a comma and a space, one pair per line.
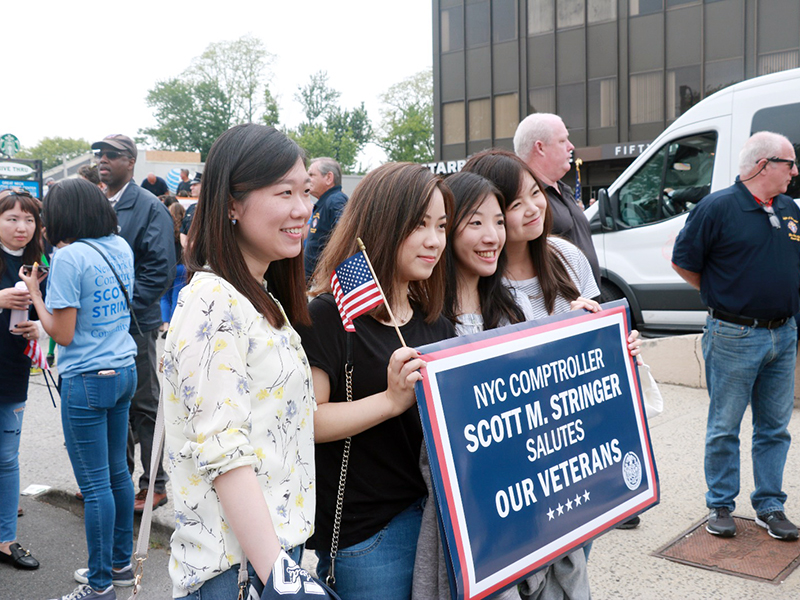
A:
170, 298
11, 414
225, 586
745, 365
380, 566
94, 414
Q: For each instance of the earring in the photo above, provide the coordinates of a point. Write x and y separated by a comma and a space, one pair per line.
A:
233, 221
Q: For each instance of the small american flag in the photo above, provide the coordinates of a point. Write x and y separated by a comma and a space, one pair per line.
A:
354, 289
34, 351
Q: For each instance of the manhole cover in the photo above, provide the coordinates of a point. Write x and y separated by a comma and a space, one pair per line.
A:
752, 554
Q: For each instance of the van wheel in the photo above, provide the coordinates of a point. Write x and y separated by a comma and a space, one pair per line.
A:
610, 292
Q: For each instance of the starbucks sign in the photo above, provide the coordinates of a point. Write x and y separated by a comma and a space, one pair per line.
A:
9, 144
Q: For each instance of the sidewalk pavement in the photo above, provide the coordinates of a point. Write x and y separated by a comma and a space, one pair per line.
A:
621, 564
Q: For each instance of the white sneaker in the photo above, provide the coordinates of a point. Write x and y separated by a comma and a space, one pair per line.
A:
123, 578
85, 592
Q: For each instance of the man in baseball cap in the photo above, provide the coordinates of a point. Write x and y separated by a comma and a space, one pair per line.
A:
145, 223
119, 142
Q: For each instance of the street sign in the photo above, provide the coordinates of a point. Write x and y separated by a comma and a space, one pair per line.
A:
9, 144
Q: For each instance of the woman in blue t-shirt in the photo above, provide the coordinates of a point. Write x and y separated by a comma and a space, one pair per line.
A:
88, 315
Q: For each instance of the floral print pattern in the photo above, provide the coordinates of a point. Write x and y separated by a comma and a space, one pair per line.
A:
237, 392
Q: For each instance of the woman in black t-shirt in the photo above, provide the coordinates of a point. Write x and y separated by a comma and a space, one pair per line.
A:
400, 212
20, 244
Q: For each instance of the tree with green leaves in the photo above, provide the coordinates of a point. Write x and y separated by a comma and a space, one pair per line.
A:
330, 130
406, 130
271, 113
240, 68
190, 116
226, 85
52, 150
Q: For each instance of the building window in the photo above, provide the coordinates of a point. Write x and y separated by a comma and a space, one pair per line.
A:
647, 98
722, 73
506, 115
679, 2
477, 24
542, 100
453, 123
603, 103
601, 10
541, 16
452, 29
571, 105
504, 20
570, 13
778, 61
683, 90
480, 119
644, 7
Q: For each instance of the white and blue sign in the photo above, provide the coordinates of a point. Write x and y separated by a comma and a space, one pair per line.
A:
173, 179
538, 443
31, 187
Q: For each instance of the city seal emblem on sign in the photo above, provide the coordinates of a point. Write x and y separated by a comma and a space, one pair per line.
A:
632, 470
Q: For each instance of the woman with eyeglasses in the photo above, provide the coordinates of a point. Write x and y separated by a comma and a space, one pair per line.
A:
87, 313
20, 243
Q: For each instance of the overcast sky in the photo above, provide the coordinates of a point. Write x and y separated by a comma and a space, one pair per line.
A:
75, 69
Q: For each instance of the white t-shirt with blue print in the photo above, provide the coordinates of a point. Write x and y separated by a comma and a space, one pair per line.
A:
80, 278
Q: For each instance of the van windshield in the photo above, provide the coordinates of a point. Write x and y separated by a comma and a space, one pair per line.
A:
672, 182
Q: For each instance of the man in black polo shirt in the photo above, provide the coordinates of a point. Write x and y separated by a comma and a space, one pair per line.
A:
542, 141
741, 248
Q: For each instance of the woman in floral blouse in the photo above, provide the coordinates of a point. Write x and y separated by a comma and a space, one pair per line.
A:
238, 400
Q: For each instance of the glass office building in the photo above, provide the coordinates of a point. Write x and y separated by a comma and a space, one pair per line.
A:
617, 71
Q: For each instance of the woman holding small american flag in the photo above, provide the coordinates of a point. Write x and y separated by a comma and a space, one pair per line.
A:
20, 243
400, 211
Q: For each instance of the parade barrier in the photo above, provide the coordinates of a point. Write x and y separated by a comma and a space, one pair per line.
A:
538, 443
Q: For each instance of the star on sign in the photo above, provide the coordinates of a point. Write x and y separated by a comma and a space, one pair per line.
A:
550, 514
577, 499
569, 505
560, 509
586, 495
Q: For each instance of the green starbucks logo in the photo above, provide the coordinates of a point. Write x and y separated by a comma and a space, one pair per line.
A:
9, 144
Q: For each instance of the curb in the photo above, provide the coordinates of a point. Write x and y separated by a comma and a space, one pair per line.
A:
160, 533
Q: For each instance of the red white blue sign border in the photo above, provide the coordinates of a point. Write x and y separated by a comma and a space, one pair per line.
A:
497, 342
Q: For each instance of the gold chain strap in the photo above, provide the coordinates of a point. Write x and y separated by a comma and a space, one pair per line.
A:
337, 520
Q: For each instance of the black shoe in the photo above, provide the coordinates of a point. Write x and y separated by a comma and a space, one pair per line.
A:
630, 523
19, 558
777, 525
720, 522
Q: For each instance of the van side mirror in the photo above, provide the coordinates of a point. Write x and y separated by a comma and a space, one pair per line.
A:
605, 210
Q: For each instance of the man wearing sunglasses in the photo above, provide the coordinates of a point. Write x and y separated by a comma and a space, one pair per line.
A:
147, 226
741, 248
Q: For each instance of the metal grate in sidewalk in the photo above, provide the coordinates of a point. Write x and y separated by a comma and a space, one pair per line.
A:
751, 554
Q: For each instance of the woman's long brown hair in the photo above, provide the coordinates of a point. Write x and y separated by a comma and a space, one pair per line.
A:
388, 204
505, 169
243, 159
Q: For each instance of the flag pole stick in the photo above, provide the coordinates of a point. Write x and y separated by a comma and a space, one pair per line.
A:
380, 289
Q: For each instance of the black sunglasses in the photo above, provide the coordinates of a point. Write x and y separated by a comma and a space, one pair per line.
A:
109, 154
788, 161
20, 192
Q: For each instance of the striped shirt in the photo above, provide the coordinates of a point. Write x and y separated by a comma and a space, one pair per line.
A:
580, 271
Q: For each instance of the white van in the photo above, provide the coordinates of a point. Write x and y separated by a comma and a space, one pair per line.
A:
636, 220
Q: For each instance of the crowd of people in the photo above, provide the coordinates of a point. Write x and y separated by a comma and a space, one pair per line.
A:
283, 430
